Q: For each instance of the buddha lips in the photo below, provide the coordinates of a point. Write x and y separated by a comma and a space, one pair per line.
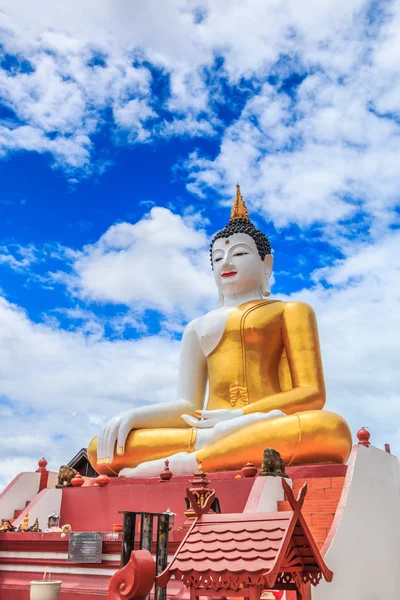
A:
230, 274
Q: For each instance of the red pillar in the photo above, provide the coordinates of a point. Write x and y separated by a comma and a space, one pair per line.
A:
44, 474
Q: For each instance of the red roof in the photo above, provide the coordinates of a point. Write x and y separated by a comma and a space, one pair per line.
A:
225, 551
234, 542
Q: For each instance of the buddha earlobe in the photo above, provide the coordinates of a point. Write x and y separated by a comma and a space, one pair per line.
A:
266, 291
266, 284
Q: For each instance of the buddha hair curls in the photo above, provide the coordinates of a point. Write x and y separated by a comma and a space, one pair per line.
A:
244, 226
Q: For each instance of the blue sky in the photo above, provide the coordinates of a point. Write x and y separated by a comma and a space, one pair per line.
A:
123, 131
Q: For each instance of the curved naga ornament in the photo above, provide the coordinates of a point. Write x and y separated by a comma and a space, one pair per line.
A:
135, 579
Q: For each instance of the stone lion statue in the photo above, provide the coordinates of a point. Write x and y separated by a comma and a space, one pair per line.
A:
272, 464
65, 474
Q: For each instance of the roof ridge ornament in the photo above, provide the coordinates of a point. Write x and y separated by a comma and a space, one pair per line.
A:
200, 496
239, 208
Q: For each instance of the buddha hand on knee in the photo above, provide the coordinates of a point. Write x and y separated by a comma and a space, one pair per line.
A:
205, 419
116, 430
210, 435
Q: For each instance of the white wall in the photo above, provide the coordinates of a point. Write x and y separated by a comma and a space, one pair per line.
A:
265, 493
41, 507
52, 480
365, 552
23, 488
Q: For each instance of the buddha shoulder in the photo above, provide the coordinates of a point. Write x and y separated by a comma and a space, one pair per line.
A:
298, 312
208, 329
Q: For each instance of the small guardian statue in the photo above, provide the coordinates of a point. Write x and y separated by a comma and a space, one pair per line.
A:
65, 474
272, 464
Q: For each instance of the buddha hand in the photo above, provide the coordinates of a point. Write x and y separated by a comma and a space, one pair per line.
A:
115, 430
209, 418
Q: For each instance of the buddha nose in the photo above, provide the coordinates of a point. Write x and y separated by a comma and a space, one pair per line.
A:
227, 262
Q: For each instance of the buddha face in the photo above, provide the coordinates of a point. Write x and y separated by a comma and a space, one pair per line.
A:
237, 265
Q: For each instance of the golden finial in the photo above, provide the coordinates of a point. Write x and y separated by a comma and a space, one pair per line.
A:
239, 208
200, 466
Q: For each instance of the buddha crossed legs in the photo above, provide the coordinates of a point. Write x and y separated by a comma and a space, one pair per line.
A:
261, 360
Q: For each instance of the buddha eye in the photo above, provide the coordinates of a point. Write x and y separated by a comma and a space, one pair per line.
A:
240, 253
218, 259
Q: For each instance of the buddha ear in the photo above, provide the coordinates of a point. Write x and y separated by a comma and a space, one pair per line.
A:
268, 262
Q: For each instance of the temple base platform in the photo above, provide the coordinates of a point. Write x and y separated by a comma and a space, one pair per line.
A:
352, 512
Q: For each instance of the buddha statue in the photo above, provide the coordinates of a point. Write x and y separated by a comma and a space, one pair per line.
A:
257, 359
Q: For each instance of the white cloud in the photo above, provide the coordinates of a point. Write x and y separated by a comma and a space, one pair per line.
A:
48, 358
320, 160
58, 387
17, 257
160, 262
132, 116
189, 126
71, 152
66, 91
59, 99
72, 73
66, 381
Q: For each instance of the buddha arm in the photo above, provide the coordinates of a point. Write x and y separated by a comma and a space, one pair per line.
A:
301, 342
191, 388
192, 378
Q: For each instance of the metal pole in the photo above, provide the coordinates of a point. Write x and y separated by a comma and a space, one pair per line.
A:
146, 532
162, 553
128, 536
146, 535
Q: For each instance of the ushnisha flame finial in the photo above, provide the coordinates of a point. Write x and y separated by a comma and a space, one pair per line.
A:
239, 208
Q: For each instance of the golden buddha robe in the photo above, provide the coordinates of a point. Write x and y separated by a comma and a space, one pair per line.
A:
267, 358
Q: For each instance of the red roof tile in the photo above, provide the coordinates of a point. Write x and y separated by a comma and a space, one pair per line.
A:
233, 542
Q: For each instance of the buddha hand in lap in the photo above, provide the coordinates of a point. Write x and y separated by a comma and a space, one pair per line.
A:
261, 360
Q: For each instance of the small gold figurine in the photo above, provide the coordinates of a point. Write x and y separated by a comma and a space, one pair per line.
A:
35, 527
25, 523
6, 525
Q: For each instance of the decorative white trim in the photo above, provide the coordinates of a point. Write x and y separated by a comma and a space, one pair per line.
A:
50, 555
30, 555
62, 570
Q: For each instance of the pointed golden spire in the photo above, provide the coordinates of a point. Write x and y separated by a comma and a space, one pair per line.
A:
239, 208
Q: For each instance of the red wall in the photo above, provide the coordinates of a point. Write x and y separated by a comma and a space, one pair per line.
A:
96, 508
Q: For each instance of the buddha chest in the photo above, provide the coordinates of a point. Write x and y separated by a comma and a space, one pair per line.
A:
244, 365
